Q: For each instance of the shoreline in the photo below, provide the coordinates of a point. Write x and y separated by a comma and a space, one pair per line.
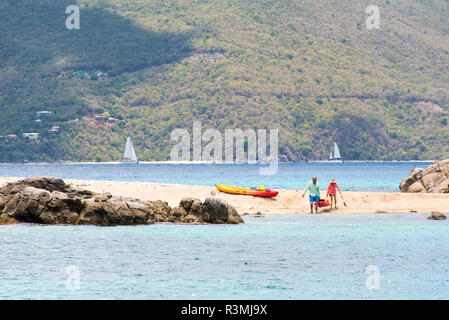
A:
287, 202
211, 162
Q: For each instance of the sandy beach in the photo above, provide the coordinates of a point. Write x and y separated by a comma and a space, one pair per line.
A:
287, 202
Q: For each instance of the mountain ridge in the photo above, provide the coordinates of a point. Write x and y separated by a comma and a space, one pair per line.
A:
309, 68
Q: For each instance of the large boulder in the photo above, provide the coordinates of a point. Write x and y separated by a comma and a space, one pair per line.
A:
434, 179
213, 210
52, 201
218, 211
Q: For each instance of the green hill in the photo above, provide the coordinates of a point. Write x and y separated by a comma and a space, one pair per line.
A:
310, 68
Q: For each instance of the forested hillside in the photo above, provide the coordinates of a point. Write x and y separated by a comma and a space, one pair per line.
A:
310, 68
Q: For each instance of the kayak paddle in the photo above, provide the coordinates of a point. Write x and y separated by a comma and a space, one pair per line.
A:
343, 199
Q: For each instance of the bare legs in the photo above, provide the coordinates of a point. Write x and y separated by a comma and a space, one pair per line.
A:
314, 204
333, 200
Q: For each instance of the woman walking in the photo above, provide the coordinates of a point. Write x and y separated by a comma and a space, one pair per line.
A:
332, 192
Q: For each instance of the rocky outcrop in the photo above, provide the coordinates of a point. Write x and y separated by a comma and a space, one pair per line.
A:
52, 201
434, 179
213, 210
435, 215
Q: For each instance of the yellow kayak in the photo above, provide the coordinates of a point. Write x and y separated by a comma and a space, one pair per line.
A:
246, 191
233, 190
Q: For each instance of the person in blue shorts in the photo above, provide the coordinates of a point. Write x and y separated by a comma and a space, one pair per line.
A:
314, 194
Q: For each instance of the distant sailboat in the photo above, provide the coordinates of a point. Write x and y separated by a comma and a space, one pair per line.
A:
335, 154
130, 155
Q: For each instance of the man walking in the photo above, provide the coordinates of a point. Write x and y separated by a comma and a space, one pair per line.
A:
314, 194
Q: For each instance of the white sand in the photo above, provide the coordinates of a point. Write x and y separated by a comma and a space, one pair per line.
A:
288, 201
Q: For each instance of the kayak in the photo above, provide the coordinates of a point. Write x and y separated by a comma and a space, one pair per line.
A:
264, 193
323, 203
246, 191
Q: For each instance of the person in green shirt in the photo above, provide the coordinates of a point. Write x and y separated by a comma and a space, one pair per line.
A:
314, 194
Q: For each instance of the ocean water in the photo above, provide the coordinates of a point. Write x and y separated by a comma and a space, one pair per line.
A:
276, 257
360, 176
353, 256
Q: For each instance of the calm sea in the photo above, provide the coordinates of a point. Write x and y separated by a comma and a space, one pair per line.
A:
276, 257
361, 176
354, 256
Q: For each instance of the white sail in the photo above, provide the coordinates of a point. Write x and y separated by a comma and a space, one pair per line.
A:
130, 154
331, 156
337, 155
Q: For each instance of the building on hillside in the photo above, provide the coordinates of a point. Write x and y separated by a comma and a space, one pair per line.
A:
44, 114
31, 136
103, 116
100, 117
113, 120
81, 74
100, 75
55, 129
11, 138
210, 58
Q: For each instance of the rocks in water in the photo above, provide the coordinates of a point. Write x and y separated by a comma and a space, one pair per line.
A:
380, 211
435, 215
213, 210
434, 179
259, 214
52, 201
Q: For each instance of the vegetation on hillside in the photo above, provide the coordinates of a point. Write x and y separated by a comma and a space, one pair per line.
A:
309, 68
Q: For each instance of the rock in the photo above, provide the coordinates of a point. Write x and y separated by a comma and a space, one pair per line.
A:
103, 197
380, 211
2, 202
213, 210
5, 219
434, 179
416, 187
234, 217
52, 201
435, 215
178, 213
216, 210
186, 203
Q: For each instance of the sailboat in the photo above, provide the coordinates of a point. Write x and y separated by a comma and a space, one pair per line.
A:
335, 154
130, 155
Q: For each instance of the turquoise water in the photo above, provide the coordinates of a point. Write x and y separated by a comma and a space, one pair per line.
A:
276, 257
361, 176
